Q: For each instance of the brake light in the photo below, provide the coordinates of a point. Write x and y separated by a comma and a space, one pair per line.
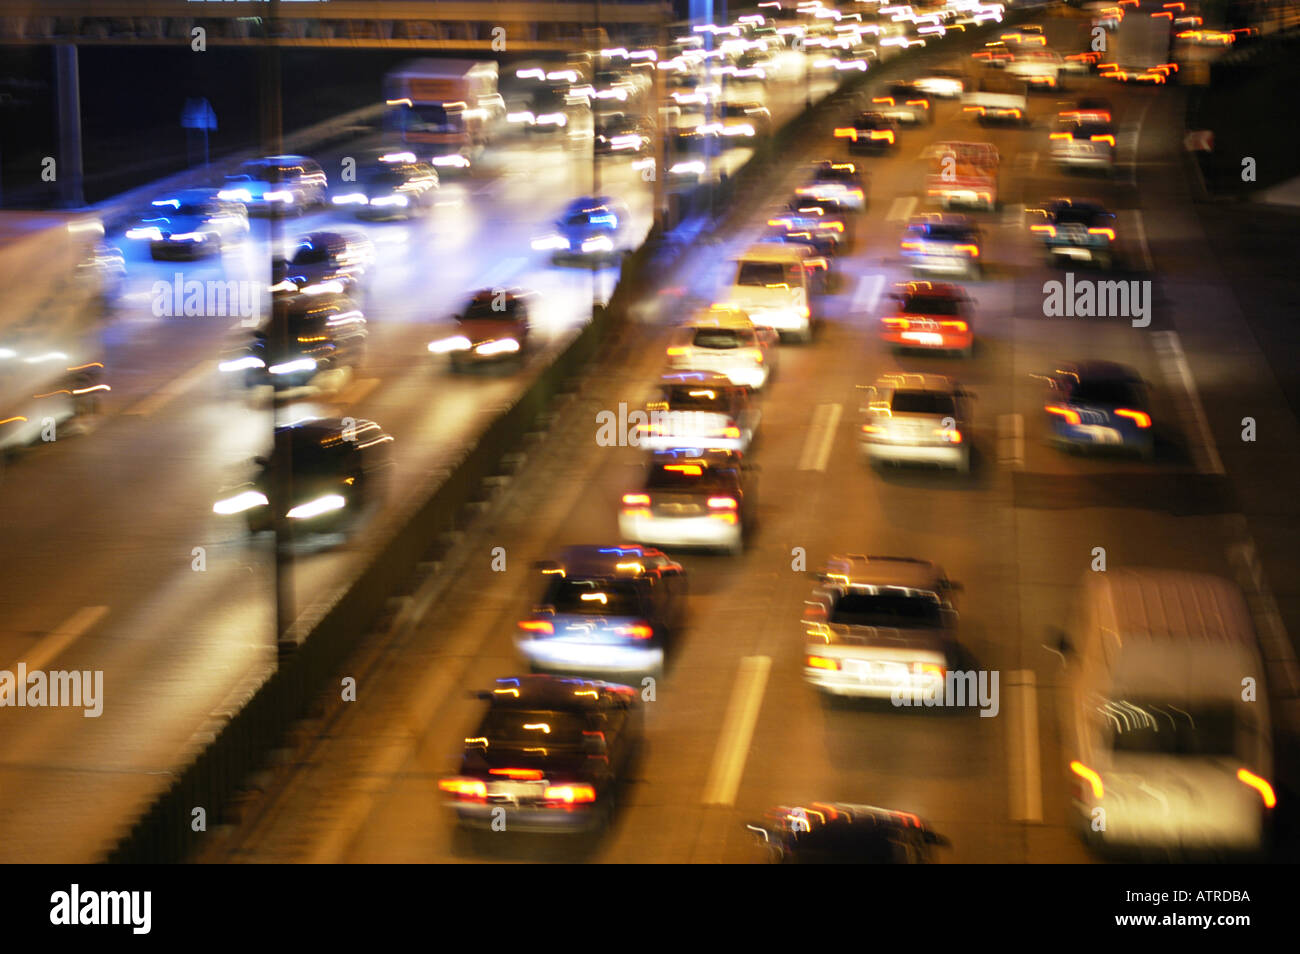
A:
823, 662
731, 430
884, 100
972, 250
1258, 784
918, 102
676, 350
638, 630
636, 500
1071, 416
959, 326
1060, 136
1049, 230
912, 246
537, 626
1092, 778
722, 503
848, 133
900, 323
519, 774
1139, 418
464, 787
949, 434
872, 429
1109, 233
1108, 139
569, 794
933, 669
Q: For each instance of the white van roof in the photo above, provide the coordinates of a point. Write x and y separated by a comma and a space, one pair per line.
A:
772, 252
1169, 604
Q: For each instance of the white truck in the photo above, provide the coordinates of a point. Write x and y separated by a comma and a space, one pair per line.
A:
997, 97
55, 272
446, 111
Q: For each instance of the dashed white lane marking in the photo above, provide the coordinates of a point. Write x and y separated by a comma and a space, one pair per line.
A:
1148, 265
1026, 788
1011, 440
737, 731
867, 294
171, 390
821, 436
901, 208
1173, 363
59, 639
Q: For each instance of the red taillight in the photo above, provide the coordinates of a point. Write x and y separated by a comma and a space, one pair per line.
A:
846, 134
1091, 777
722, 503
958, 326
464, 787
641, 630
537, 626
972, 250
1258, 784
636, 500
823, 662
1109, 140
519, 774
1139, 418
731, 430
902, 324
1071, 416
912, 246
949, 434
569, 794
1049, 230
1109, 233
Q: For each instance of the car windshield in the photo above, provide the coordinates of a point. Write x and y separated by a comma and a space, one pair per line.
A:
931, 305
548, 728
438, 118
923, 402
595, 597
1116, 392
761, 274
722, 339
597, 217
311, 253
886, 606
698, 397
1157, 726
384, 176
266, 172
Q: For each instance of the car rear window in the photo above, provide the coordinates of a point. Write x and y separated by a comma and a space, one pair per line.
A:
948, 233
482, 309
1116, 392
595, 597
722, 339
1158, 727
923, 402
930, 305
698, 397
549, 728
886, 607
681, 476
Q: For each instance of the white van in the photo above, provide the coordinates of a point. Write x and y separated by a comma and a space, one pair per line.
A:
774, 284
1163, 752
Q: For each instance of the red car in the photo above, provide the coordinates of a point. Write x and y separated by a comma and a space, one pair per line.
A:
931, 316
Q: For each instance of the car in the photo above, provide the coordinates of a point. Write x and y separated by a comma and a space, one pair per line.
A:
1081, 230
623, 134
942, 242
325, 261
905, 102
591, 228
494, 326
723, 339
844, 833
741, 122
691, 497
191, 223
1041, 69
931, 316
699, 409
1082, 140
872, 132
547, 756
917, 419
840, 182
605, 609
391, 190
277, 184
942, 84
824, 217
775, 284
1098, 405
880, 627
309, 341
337, 466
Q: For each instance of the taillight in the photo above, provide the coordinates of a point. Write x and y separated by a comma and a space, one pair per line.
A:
1060, 136
636, 500
1071, 416
959, 326
722, 503
1258, 784
1110, 140
1109, 233
912, 246
518, 774
464, 787
846, 134
569, 794
933, 669
1139, 418
676, 351
638, 630
537, 626
949, 434
1091, 777
900, 323
731, 430
972, 250
823, 662
872, 429
1049, 230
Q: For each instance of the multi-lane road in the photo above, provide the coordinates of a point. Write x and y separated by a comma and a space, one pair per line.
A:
732, 728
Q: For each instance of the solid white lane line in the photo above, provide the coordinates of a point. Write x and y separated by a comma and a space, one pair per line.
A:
821, 436
901, 208
1148, 263
1173, 362
59, 639
1026, 775
737, 731
1011, 439
171, 390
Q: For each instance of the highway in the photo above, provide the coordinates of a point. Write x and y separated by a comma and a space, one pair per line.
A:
114, 560
733, 729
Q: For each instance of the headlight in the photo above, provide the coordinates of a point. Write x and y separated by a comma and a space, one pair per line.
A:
504, 346
524, 117
281, 196
398, 200
317, 507
550, 242
323, 288
687, 168
294, 366
283, 286
458, 343
188, 237
241, 364
599, 243
352, 198
553, 119
235, 195
150, 232
456, 160
240, 502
